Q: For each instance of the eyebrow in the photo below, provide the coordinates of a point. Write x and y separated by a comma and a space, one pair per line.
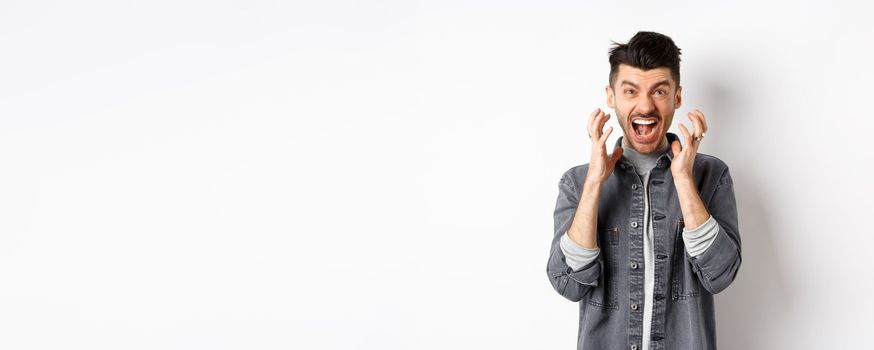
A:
663, 82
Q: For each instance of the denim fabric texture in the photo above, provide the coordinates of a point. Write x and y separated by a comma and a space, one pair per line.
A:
610, 290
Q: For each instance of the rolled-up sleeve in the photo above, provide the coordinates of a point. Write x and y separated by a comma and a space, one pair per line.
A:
571, 283
718, 264
575, 255
700, 238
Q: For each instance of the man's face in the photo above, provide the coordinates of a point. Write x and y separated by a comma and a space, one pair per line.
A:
644, 103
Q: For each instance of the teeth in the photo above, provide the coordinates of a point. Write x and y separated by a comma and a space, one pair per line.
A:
643, 121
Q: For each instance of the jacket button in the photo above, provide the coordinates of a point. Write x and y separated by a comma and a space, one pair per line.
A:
634, 347
634, 224
634, 266
633, 186
634, 306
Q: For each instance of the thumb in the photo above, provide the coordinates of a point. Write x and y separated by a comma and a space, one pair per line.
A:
617, 153
675, 146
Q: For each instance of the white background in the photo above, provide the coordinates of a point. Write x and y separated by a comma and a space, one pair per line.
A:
382, 175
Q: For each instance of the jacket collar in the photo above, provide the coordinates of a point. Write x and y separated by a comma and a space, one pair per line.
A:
669, 154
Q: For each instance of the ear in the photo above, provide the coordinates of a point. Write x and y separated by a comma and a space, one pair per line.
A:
609, 92
678, 98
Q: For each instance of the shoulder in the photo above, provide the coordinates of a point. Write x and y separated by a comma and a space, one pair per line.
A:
711, 167
709, 161
574, 176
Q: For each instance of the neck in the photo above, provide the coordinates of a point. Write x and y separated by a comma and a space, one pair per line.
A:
663, 146
643, 162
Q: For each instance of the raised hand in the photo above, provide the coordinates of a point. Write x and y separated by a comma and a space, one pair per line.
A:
684, 155
582, 229
601, 165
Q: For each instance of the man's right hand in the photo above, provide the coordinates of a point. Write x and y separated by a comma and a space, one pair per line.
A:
601, 165
582, 229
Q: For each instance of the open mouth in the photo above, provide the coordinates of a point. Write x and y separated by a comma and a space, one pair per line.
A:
644, 127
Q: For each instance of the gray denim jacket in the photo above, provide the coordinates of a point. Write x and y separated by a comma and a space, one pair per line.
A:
683, 313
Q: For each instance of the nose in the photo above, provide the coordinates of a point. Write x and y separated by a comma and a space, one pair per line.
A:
646, 105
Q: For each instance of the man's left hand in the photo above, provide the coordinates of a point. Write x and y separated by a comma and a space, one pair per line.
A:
684, 155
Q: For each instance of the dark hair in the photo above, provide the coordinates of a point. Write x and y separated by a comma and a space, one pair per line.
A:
646, 50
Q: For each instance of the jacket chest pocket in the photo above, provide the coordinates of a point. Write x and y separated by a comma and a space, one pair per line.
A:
684, 283
605, 295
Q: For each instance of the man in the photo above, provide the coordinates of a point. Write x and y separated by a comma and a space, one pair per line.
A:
646, 235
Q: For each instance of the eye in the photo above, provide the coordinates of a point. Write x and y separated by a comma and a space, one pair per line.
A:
660, 92
629, 92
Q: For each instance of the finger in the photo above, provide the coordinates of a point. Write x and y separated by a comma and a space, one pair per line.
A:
701, 124
597, 125
602, 123
592, 121
703, 121
606, 135
617, 153
698, 127
690, 144
675, 146
686, 136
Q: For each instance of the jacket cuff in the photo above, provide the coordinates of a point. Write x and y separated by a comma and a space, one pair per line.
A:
715, 258
588, 275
